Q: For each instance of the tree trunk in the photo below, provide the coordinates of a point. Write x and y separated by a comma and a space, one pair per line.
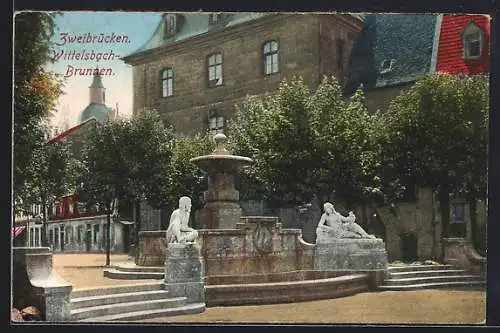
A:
433, 230
44, 225
473, 222
108, 234
137, 228
444, 205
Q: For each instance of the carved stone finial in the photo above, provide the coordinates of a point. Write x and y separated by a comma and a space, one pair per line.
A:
220, 144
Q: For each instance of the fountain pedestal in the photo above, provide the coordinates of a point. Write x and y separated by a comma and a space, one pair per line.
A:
222, 209
184, 272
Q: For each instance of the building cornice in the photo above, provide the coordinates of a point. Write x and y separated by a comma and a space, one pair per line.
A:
198, 40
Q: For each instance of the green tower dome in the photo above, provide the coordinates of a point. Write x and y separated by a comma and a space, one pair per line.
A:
99, 111
97, 107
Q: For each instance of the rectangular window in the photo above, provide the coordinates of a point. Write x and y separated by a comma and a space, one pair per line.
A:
167, 82
32, 237
69, 234
56, 238
215, 70
96, 233
271, 57
457, 213
216, 125
81, 207
37, 237
70, 206
472, 45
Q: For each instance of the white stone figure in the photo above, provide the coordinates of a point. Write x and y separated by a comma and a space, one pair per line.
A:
334, 225
178, 230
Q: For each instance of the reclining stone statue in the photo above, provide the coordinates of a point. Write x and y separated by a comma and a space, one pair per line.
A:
178, 230
334, 225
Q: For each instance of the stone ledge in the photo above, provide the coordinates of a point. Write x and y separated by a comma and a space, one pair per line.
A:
267, 293
35, 283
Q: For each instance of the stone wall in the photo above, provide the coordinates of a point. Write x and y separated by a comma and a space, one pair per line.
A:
151, 218
412, 218
152, 245
234, 251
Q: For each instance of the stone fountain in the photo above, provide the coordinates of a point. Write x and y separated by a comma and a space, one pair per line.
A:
253, 259
222, 209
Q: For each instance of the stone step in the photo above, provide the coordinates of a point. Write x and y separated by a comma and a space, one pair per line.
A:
429, 279
90, 301
120, 308
128, 267
128, 288
287, 291
432, 285
413, 268
113, 273
192, 308
435, 272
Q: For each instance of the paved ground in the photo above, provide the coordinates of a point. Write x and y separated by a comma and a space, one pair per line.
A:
85, 270
402, 307
398, 307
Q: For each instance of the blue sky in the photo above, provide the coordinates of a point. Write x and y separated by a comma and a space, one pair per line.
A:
137, 26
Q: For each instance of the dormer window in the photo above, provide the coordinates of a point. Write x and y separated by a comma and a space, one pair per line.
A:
170, 25
387, 66
214, 18
472, 40
218, 19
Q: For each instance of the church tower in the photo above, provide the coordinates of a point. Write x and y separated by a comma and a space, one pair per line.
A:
97, 90
97, 101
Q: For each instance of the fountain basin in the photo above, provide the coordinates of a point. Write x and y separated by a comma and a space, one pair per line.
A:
258, 245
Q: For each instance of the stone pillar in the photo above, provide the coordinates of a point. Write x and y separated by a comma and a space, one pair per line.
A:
184, 272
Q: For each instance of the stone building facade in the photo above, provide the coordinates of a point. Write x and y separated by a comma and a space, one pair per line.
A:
195, 77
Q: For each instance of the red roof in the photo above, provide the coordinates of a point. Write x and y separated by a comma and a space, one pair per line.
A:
450, 49
64, 134
16, 231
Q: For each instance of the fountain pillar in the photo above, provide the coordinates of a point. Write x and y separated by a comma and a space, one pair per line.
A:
222, 209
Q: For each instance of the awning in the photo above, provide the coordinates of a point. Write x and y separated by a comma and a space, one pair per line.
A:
16, 231
126, 222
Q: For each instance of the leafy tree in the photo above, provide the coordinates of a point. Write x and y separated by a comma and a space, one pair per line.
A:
307, 145
35, 91
54, 175
147, 151
346, 145
184, 177
126, 160
436, 135
104, 174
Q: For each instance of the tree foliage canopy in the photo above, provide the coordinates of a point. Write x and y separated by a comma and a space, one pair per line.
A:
127, 159
307, 144
35, 91
436, 134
